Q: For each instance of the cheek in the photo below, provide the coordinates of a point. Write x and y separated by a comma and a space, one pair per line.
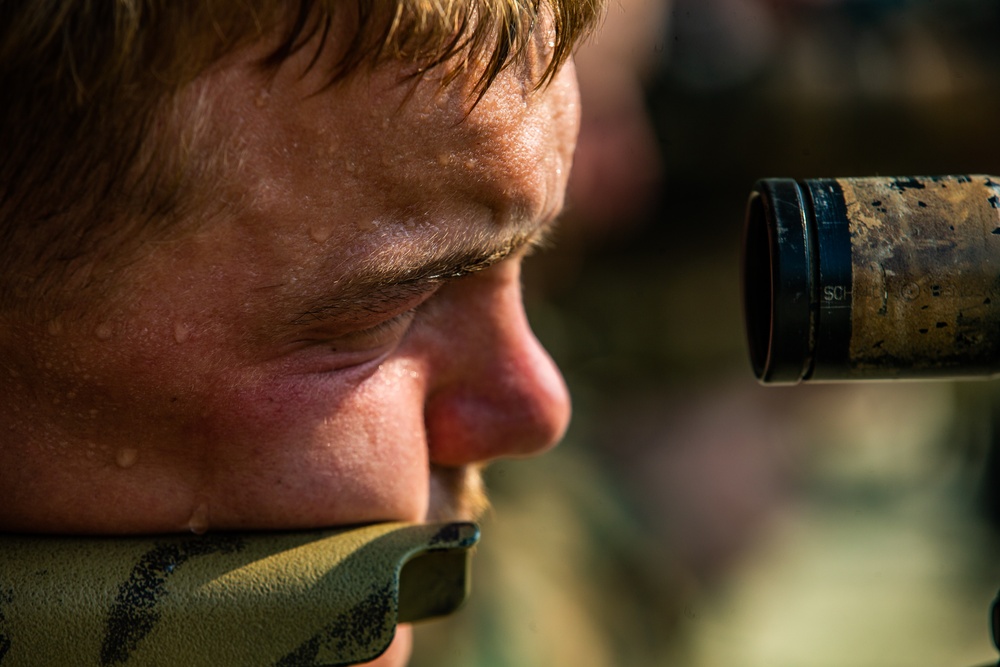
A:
319, 451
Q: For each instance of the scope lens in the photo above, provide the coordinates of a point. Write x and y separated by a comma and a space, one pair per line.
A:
777, 282
758, 287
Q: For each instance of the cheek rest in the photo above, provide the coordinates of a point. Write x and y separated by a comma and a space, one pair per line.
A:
324, 597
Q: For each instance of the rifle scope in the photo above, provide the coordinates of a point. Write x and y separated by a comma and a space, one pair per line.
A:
873, 278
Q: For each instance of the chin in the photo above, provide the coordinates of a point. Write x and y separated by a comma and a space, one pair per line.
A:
398, 653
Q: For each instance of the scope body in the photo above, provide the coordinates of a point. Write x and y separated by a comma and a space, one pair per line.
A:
873, 278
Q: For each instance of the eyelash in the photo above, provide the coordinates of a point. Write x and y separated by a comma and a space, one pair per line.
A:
371, 336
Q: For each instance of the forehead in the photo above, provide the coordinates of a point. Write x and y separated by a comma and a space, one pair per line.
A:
388, 126
398, 150
383, 173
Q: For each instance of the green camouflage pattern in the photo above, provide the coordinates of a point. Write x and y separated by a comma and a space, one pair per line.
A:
326, 597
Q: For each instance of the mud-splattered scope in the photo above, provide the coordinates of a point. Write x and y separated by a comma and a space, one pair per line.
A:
873, 278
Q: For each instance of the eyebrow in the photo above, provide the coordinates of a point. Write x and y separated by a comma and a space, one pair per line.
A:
387, 282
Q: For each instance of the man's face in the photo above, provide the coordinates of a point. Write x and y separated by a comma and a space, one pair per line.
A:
340, 340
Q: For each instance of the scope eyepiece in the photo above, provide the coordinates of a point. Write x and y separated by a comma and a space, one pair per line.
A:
873, 278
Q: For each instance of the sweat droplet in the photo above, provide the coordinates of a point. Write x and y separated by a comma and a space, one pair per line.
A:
103, 331
320, 234
181, 332
198, 523
126, 457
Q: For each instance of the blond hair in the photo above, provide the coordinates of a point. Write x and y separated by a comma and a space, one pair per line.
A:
84, 81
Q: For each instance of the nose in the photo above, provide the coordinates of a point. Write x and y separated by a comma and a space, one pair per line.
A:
497, 393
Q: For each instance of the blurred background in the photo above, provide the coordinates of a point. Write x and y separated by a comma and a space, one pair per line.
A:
693, 517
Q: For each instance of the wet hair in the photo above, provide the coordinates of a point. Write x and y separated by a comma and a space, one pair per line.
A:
89, 152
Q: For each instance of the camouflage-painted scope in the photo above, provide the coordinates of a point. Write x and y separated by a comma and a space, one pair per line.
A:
873, 278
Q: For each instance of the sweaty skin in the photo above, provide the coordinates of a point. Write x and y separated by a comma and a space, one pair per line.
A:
341, 339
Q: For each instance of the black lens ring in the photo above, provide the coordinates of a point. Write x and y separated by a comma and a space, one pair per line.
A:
777, 282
